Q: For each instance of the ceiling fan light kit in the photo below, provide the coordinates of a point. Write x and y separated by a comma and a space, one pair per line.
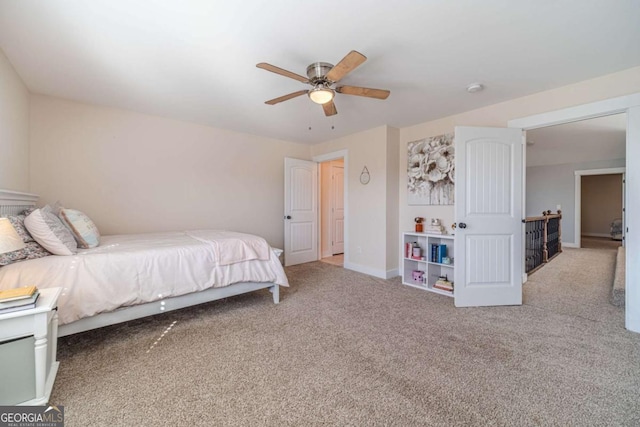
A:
323, 76
321, 94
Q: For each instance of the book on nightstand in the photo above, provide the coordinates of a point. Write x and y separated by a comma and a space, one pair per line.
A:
19, 304
17, 293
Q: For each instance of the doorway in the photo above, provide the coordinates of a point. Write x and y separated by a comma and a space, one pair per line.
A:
629, 104
559, 158
333, 212
601, 209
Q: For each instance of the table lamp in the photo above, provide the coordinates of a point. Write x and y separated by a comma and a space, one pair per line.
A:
9, 239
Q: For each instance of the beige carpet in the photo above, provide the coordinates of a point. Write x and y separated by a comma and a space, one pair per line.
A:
590, 242
343, 348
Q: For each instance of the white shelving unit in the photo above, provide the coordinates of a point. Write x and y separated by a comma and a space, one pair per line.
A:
431, 270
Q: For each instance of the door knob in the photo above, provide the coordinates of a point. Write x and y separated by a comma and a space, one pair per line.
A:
462, 225
287, 217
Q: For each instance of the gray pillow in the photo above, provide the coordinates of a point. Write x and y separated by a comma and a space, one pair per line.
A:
47, 229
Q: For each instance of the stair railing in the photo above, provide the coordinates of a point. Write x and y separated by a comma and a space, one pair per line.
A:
543, 237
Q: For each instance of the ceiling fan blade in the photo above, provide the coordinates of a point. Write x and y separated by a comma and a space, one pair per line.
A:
346, 65
282, 72
274, 101
329, 109
363, 91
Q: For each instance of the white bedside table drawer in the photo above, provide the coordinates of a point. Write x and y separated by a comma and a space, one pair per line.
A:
16, 327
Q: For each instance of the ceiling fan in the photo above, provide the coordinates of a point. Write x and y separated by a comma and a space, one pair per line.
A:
323, 76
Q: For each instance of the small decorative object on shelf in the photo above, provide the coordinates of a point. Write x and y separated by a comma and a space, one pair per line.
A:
418, 276
419, 226
416, 252
444, 284
435, 227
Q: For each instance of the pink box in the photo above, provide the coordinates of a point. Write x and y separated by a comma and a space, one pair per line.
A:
417, 275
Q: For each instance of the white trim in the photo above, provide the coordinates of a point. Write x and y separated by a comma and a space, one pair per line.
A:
597, 234
381, 274
395, 272
629, 104
577, 208
608, 171
570, 245
574, 114
335, 155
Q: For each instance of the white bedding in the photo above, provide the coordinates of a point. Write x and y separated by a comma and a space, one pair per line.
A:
137, 268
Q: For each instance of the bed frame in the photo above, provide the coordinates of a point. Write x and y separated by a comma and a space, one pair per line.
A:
14, 202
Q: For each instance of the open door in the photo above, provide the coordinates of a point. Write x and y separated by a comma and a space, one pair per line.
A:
300, 211
488, 209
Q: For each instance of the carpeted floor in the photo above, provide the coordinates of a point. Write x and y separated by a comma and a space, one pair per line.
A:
591, 242
343, 348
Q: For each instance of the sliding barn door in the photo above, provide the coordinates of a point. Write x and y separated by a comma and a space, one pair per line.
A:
488, 207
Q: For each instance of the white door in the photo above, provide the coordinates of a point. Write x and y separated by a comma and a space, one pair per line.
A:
337, 209
488, 208
300, 211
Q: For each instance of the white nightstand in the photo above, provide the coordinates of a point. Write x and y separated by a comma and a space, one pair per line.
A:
28, 344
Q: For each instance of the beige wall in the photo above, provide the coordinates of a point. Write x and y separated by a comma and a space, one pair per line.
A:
367, 204
601, 200
136, 173
393, 197
14, 129
609, 86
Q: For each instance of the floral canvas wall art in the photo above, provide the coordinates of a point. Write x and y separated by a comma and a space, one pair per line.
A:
431, 171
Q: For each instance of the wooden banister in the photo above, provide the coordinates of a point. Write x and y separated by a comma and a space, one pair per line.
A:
543, 235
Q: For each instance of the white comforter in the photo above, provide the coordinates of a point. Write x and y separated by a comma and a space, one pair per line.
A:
137, 268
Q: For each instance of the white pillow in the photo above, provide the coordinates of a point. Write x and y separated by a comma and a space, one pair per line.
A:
83, 229
47, 229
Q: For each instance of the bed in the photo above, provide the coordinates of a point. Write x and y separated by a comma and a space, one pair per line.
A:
132, 276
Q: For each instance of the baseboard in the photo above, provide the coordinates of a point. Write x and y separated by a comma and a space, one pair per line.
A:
597, 235
570, 245
381, 274
393, 273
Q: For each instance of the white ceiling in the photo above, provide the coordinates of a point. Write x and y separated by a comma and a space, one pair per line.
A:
195, 59
603, 138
